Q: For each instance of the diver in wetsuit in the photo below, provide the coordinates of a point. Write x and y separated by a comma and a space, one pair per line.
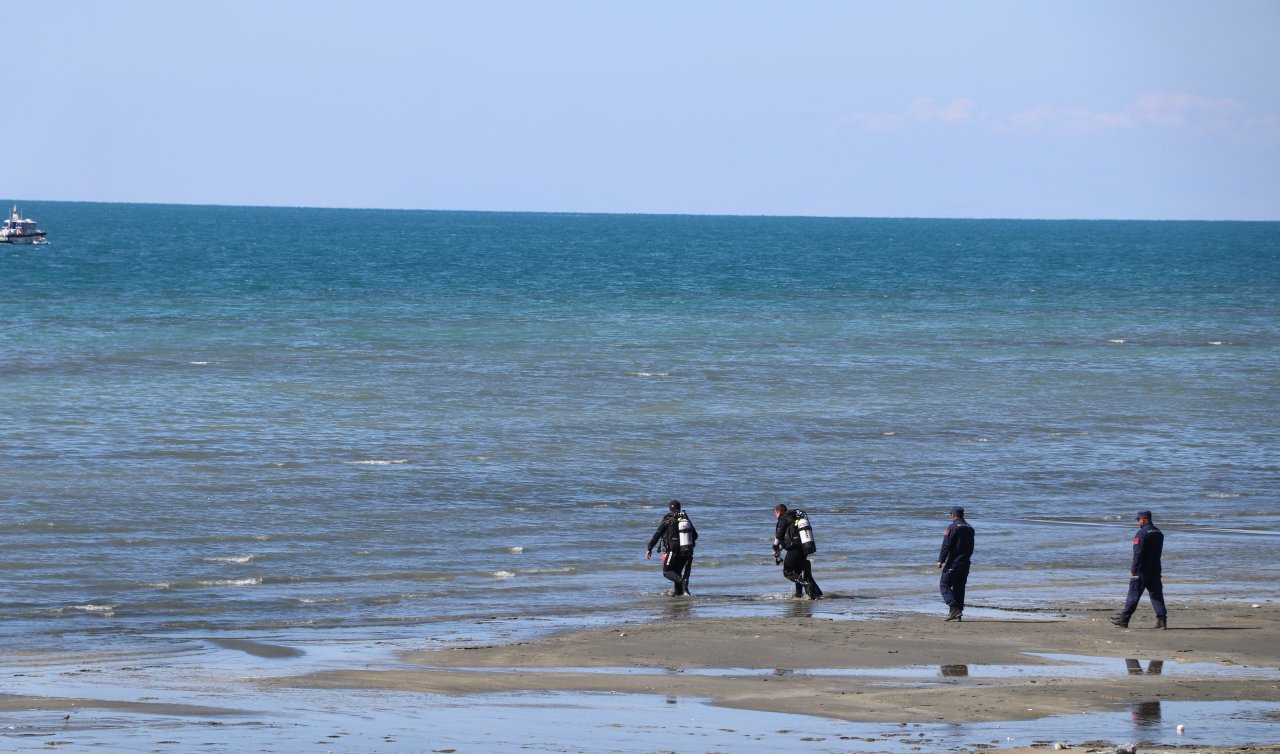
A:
677, 536
792, 533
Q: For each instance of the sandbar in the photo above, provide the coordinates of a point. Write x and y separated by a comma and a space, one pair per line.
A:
784, 664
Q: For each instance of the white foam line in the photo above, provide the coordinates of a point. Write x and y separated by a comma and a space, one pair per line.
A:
1194, 527
1180, 527
1069, 523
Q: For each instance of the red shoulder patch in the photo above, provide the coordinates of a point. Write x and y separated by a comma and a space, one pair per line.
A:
1135, 540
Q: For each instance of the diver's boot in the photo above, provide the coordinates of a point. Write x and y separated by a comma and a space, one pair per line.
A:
1160, 624
799, 590
685, 586
814, 592
1120, 620
954, 614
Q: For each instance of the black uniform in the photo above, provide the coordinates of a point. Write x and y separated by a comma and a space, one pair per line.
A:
795, 566
1144, 572
677, 563
957, 549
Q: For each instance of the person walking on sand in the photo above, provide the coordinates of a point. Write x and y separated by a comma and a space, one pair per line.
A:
793, 533
1144, 573
953, 559
677, 535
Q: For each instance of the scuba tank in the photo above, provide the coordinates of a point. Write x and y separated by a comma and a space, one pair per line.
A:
684, 534
805, 532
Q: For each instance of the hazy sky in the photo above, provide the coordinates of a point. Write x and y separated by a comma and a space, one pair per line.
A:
1107, 109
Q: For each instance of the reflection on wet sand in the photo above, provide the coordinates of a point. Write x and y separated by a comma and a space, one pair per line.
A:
955, 671
800, 608
677, 607
1154, 667
1146, 715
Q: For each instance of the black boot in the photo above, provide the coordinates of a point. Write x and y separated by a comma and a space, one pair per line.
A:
1160, 623
799, 590
954, 615
685, 585
814, 592
1120, 620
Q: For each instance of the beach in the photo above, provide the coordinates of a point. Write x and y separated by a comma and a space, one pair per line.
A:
701, 658
1000, 679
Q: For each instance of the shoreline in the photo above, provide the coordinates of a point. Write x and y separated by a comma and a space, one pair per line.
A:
773, 664
998, 679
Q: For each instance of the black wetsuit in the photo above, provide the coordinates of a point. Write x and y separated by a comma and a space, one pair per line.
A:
957, 549
676, 566
795, 565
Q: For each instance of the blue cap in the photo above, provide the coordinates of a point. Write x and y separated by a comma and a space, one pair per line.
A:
1144, 514
957, 510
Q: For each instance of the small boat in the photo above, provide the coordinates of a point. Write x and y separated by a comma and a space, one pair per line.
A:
19, 229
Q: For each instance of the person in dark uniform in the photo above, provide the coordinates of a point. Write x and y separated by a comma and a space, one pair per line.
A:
677, 536
1144, 572
953, 559
795, 566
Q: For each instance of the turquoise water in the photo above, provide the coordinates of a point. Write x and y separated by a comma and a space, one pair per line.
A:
218, 419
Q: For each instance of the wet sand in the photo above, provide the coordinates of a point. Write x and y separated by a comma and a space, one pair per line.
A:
20, 702
896, 683
710, 658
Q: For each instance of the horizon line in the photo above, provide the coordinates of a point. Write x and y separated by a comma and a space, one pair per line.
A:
974, 218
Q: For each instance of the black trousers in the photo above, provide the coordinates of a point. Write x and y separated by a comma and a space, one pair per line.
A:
796, 567
676, 568
1155, 590
952, 584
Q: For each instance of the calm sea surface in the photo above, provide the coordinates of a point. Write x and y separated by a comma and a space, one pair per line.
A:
248, 421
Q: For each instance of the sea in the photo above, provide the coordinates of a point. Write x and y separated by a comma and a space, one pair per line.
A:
328, 425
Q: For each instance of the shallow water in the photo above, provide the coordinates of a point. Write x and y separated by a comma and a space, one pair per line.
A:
1063, 666
250, 421
258, 719
619, 723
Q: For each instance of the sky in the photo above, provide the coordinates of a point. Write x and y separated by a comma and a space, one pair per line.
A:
1096, 109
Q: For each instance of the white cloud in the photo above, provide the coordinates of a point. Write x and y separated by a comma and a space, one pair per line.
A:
1177, 109
1180, 110
1264, 130
922, 110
